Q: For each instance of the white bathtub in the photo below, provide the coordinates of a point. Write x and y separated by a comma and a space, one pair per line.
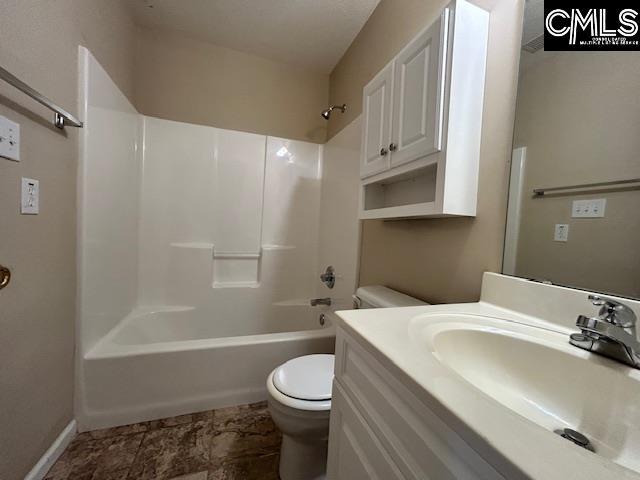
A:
163, 362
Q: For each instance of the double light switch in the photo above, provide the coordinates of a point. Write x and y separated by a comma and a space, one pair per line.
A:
9, 139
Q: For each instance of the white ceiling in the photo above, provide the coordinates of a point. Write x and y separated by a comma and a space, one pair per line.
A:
309, 33
533, 25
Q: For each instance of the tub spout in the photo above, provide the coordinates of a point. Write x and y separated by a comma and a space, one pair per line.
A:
320, 301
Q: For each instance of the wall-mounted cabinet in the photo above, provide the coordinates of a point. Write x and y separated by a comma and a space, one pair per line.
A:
423, 119
376, 129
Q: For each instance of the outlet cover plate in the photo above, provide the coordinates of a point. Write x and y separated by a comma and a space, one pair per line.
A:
30, 197
592, 208
561, 233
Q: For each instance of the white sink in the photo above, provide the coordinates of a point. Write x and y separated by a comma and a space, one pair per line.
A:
536, 373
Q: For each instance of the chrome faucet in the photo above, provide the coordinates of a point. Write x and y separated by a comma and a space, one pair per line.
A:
612, 333
329, 277
320, 301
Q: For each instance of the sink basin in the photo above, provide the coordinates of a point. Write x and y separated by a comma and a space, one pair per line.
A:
536, 373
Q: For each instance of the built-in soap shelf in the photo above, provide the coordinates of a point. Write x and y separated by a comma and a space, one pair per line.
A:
210, 246
245, 255
234, 269
193, 245
272, 247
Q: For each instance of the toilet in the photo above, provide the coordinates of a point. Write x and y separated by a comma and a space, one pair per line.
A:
299, 396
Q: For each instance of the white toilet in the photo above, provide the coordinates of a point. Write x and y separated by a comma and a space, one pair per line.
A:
300, 398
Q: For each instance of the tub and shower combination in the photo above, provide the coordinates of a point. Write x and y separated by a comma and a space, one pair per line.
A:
200, 249
157, 364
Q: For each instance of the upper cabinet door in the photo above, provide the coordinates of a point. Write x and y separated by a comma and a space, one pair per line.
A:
376, 129
418, 103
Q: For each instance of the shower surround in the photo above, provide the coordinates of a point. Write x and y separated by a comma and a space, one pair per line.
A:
199, 252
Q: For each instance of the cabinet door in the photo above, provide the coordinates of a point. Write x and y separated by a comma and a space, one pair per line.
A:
354, 451
376, 129
418, 95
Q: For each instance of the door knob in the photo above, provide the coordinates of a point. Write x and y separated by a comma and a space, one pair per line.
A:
5, 276
383, 151
393, 147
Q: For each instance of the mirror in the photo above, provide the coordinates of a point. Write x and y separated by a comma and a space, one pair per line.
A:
574, 197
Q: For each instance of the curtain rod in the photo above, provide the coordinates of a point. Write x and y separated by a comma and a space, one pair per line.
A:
62, 117
539, 192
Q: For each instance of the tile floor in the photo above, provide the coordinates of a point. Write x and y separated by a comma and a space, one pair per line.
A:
236, 443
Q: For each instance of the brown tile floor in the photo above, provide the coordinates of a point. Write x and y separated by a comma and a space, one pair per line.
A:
231, 443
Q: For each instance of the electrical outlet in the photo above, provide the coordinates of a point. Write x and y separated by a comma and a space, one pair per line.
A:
561, 233
589, 208
9, 139
30, 201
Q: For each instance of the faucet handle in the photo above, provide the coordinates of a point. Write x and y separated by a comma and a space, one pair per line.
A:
329, 277
613, 311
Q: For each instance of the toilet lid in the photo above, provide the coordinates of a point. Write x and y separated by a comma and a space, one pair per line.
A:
306, 378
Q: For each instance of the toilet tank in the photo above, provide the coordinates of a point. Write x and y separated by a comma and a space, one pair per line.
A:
377, 296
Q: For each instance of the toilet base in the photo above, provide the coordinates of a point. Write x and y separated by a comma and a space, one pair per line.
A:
305, 434
303, 460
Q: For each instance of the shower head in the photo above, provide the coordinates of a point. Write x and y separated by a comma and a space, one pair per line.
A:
327, 113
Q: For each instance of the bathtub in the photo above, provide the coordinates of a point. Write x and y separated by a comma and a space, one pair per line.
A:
170, 361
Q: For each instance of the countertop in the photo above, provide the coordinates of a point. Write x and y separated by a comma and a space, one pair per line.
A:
515, 446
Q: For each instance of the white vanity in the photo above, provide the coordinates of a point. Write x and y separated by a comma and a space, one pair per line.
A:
478, 391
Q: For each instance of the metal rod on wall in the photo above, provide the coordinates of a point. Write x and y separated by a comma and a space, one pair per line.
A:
62, 117
540, 192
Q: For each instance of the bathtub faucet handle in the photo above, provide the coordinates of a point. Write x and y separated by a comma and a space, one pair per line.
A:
329, 277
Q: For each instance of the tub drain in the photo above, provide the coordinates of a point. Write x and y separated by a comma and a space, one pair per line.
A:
576, 437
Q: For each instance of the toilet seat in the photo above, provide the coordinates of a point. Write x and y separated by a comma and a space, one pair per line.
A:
306, 378
304, 383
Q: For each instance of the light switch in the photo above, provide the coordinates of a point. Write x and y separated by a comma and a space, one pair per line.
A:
578, 208
589, 208
9, 139
561, 233
597, 207
30, 201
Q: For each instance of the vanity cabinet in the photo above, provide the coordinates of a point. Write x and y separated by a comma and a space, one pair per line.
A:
422, 119
380, 429
359, 453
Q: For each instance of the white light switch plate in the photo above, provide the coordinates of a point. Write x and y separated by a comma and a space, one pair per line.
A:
589, 208
9, 139
30, 201
561, 233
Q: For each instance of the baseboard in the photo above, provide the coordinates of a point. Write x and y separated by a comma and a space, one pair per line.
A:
53, 453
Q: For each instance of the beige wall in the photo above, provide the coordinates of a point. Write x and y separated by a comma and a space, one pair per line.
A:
389, 28
578, 115
187, 80
439, 260
38, 43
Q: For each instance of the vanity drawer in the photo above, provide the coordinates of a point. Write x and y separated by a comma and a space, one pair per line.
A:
421, 444
354, 452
